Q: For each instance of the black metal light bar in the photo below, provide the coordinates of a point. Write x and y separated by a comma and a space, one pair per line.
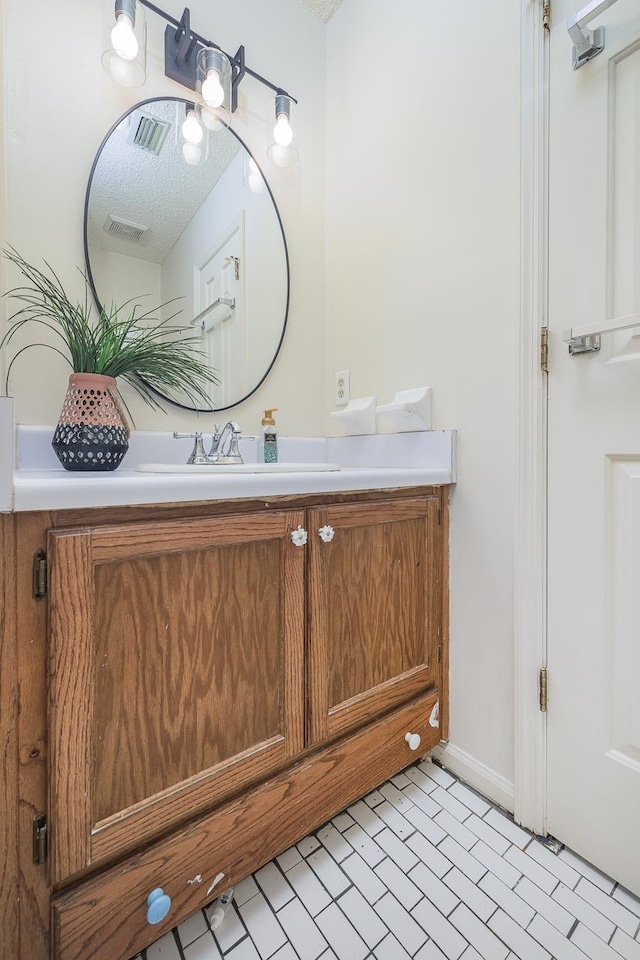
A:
180, 50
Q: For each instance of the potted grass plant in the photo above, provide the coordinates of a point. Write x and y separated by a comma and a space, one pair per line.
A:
149, 354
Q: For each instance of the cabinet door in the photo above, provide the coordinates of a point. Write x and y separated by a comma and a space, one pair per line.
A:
176, 666
374, 609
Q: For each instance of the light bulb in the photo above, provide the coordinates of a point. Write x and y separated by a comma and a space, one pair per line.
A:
123, 39
191, 129
282, 132
212, 89
192, 153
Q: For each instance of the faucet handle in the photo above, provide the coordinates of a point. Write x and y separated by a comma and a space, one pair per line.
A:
197, 454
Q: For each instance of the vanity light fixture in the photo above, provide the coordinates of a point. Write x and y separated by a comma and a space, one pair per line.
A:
281, 152
126, 60
193, 61
191, 140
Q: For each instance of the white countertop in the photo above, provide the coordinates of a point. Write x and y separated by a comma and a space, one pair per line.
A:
366, 463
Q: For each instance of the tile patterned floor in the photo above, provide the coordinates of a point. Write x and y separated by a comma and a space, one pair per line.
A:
422, 868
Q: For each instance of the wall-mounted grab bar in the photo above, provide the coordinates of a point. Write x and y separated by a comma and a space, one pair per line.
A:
587, 44
230, 302
586, 338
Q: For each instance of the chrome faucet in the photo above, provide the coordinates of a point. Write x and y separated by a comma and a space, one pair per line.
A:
229, 435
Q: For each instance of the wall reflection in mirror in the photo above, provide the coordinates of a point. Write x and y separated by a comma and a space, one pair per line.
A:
170, 220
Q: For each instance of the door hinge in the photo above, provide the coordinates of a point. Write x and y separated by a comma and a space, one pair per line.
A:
39, 575
439, 517
543, 689
544, 349
440, 653
546, 14
39, 838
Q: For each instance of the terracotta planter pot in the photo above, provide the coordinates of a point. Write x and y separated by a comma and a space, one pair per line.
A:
92, 432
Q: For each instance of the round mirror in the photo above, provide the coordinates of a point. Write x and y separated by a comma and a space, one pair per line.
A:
179, 217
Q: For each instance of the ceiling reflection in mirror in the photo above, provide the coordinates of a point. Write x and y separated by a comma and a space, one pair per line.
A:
193, 228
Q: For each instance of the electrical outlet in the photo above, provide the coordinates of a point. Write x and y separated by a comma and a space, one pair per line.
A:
342, 392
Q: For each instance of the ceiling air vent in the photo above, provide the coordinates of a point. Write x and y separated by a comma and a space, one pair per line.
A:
120, 227
147, 132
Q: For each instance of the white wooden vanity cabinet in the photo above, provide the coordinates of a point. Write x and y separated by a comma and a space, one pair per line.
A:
196, 690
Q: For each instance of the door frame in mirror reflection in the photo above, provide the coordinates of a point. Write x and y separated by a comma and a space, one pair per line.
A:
267, 290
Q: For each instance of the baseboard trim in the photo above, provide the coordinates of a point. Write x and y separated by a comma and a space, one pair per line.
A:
482, 778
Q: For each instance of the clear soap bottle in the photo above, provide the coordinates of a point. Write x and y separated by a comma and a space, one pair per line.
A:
269, 437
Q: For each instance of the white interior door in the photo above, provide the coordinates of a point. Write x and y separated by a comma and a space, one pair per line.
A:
219, 274
594, 447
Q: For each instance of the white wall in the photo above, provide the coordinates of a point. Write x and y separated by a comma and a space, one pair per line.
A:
423, 131
56, 120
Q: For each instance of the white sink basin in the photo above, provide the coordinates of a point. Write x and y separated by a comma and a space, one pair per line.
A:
213, 468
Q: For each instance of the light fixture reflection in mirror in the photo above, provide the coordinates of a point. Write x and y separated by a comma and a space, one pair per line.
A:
159, 229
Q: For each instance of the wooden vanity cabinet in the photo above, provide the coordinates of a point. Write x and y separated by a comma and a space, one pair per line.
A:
211, 689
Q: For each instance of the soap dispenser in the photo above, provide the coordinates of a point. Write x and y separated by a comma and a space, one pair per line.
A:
269, 437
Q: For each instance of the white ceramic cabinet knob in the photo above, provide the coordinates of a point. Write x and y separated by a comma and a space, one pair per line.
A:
413, 739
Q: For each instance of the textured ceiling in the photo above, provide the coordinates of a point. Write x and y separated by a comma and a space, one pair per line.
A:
160, 192
324, 9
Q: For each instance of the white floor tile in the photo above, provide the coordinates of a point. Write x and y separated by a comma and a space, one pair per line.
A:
363, 844
395, 797
543, 904
625, 946
399, 883
563, 871
363, 917
265, 931
462, 859
471, 894
608, 906
390, 949
478, 934
361, 874
583, 911
328, 872
400, 780
424, 822
504, 896
204, 948
430, 952
593, 946
517, 939
193, 927
430, 855
286, 953
245, 890
515, 834
373, 798
334, 842
342, 821
289, 858
434, 889
344, 939
367, 818
526, 865
164, 949
449, 802
469, 798
308, 887
485, 832
586, 870
421, 780
231, 931
434, 772
302, 931
308, 845
244, 951
401, 923
455, 829
498, 865
274, 885
627, 900
394, 820
552, 940
440, 930
397, 850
